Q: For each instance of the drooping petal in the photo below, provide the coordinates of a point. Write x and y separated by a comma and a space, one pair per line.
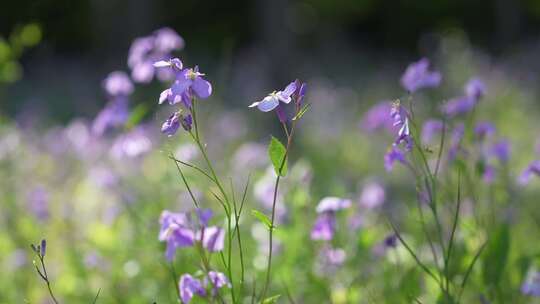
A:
213, 239
164, 96
201, 88
162, 64
268, 103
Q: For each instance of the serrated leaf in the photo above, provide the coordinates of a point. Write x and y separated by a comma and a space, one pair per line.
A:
271, 300
277, 152
262, 218
302, 111
496, 255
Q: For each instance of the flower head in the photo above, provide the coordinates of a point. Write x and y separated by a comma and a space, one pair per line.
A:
484, 129
393, 155
377, 118
531, 286
417, 76
475, 88
171, 125
372, 196
430, 129
324, 227
273, 99
189, 287
401, 121
332, 204
118, 83
532, 169
217, 280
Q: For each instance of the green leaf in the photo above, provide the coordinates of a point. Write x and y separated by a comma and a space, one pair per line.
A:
263, 218
302, 112
271, 300
277, 153
136, 115
496, 255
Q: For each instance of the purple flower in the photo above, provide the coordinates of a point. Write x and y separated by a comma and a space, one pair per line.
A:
332, 204
531, 286
532, 169
377, 118
300, 92
390, 241
204, 216
475, 88
188, 82
167, 220
431, 128
324, 227
38, 203
118, 84
189, 286
459, 105
333, 256
171, 125
217, 280
178, 237
113, 115
212, 238
401, 121
394, 154
489, 174
417, 76
133, 144
484, 129
43, 247
273, 99
145, 51
501, 150
372, 196
186, 122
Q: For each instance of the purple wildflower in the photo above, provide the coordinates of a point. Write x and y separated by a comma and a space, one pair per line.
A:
377, 118
217, 280
401, 122
189, 286
38, 203
390, 241
431, 128
145, 51
43, 247
501, 150
484, 129
171, 125
333, 256
475, 88
213, 238
332, 204
114, 114
532, 169
204, 216
531, 286
273, 99
118, 84
489, 174
372, 196
417, 76
394, 154
324, 227
300, 92
132, 144
174, 230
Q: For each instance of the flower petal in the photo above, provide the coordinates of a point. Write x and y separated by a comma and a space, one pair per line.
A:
202, 88
268, 103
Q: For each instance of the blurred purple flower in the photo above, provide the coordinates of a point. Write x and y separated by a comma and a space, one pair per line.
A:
501, 150
216, 280
489, 174
213, 238
204, 216
484, 129
132, 144
532, 169
300, 92
394, 154
372, 196
114, 114
324, 227
333, 256
38, 203
377, 118
145, 51
118, 84
531, 286
332, 204
475, 88
189, 286
431, 128
389, 242
417, 76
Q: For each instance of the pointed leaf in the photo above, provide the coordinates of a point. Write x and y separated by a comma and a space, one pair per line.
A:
263, 218
277, 152
270, 300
